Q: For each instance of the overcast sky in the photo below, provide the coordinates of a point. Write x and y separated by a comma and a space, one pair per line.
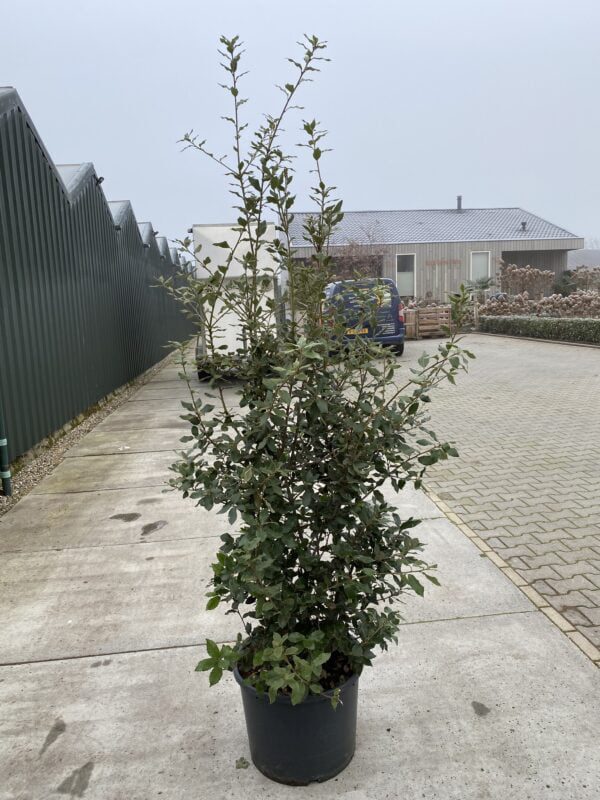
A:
497, 100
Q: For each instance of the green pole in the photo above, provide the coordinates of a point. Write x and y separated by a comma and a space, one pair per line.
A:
4, 464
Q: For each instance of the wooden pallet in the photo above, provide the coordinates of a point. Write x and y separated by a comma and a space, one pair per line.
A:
424, 323
410, 321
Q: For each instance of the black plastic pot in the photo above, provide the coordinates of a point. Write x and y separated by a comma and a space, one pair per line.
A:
304, 743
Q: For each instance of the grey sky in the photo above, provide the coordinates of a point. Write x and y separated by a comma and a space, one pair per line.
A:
493, 99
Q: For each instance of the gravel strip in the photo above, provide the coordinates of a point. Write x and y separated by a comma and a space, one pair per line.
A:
34, 471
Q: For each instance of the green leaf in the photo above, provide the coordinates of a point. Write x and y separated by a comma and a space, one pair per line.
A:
415, 585
212, 603
205, 664
215, 676
298, 692
213, 649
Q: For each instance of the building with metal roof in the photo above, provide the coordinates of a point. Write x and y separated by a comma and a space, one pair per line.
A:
80, 312
430, 252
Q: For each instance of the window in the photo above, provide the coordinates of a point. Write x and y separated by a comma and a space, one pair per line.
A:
405, 275
480, 265
383, 295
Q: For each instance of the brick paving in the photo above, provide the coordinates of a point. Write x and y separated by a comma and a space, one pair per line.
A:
526, 421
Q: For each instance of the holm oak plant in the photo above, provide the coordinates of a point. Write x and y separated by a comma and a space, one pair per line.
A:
301, 452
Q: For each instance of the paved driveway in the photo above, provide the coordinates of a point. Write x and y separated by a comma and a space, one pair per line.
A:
527, 424
102, 581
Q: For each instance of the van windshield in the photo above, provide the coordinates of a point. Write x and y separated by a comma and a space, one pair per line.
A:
357, 295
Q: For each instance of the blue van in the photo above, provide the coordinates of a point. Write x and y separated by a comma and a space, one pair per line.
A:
389, 328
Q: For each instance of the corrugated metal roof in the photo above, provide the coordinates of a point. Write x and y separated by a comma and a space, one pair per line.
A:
436, 225
163, 245
118, 208
71, 174
145, 229
584, 258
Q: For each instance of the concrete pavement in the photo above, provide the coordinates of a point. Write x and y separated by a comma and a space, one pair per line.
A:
102, 581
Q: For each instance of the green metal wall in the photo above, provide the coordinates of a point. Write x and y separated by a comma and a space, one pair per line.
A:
79, 313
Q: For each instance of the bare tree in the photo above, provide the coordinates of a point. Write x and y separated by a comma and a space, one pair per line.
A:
358, 259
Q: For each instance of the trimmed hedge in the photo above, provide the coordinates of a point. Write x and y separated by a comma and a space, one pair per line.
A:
562, 329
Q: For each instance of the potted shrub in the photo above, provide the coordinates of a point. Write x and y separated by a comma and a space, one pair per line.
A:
298, 455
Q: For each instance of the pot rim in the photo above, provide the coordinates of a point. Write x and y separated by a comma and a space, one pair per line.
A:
284, 698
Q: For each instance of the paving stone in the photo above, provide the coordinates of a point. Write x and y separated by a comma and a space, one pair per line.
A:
517, 537
583, 642
518, 550
539, 574
576, 599
541, 490
593, 614
577, 617
574, 556
593, 634
542, 548
579, 567
570, 584
517, 563
548, 560
595, 579
551, 536
543, 588
495, 543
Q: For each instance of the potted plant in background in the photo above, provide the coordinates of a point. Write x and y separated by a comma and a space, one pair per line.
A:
298, 456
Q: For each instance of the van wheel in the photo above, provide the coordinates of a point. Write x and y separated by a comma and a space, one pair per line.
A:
399, 349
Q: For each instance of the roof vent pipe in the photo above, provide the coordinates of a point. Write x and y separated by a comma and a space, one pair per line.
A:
524, 225
459, 202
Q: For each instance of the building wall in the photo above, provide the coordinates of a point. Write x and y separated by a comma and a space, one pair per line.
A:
555, 260
441, 267
206, 236
80, 313
227, 328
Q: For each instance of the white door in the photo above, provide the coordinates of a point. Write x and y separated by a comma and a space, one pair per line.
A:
405, 275
480, 265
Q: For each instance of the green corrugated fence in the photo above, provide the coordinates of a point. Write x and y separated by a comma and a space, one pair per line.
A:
79, 311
